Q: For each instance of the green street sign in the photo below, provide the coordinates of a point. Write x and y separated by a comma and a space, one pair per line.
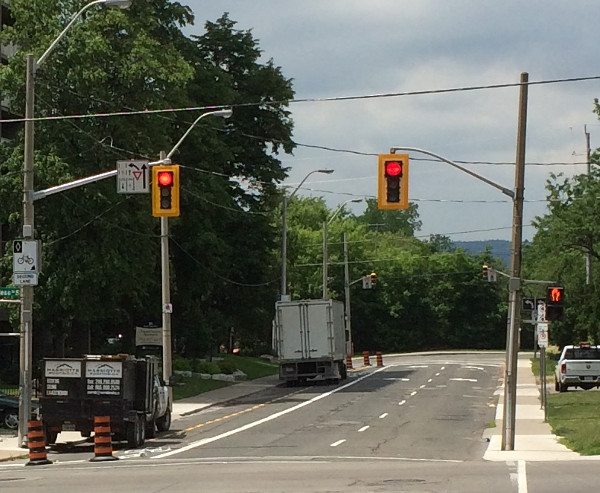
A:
9, 293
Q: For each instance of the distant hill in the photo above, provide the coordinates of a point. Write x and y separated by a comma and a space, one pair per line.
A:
500, 248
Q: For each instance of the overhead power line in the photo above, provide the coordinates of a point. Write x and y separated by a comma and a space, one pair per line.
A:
306, 100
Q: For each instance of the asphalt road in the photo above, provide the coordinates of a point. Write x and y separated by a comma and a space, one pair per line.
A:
414, 425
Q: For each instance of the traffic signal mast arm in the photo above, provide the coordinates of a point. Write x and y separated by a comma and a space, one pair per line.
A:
504, 190
524, 281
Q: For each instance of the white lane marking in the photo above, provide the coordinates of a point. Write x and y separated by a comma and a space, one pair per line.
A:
401, 403
464, 379
398, 379
474, 368
339, 442
204, 441
437, 374
418, 366
413, 393
522, 477
383, 415
430, 380
422, 387
360, 430
443, 368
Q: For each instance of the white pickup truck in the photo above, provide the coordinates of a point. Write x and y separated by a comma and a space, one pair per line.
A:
578, 366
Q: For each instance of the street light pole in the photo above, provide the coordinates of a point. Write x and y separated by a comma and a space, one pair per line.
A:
26, 338
167, 363
284, 230
325, 234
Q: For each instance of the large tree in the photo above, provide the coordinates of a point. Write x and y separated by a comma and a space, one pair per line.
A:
101, 271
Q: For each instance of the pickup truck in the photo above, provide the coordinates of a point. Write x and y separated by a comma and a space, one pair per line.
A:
578, 366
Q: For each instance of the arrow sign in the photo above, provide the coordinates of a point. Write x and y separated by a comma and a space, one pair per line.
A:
132, 176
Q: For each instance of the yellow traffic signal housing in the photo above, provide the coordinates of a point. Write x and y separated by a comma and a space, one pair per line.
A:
392, 177
165, 191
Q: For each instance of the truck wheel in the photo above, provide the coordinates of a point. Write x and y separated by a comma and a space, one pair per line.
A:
164, 422
151, 428
51, 437
343, 371
562, 387
136, 433
556, 387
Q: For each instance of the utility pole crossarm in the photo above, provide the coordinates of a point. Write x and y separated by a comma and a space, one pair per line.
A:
504, 190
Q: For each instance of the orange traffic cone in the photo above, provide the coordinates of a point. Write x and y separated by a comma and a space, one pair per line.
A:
366, 361
349, 361
36, 440
379, 358
102, 441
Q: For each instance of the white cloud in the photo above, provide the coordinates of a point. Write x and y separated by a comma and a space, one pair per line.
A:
352, 47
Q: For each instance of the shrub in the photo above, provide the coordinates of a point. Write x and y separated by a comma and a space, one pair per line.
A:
181, 364
200, 366
227, 366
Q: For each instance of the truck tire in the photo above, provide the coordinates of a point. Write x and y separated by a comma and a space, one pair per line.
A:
51, 437
151, 428
164, 422
562, 387
136, 433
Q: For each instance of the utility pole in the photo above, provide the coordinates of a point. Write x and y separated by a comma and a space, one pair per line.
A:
514, 285
588, 255
347, 297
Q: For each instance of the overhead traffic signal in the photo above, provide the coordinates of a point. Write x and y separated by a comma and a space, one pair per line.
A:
554, 302
373, 279
165, 191
392, 190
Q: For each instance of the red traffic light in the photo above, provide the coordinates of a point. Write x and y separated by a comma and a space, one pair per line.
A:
393, 168
165, 178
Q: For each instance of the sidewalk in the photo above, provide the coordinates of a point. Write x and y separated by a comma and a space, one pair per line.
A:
534, 440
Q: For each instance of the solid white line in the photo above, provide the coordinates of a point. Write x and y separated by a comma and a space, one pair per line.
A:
339, 442
360, 430
401, 403
383, 415
522, 477
204, 441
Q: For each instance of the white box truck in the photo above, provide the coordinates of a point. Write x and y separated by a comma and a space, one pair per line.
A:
310, 340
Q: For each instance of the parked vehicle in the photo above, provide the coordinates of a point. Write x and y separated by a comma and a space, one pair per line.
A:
310, 339
9, 411
578, 366
125, 388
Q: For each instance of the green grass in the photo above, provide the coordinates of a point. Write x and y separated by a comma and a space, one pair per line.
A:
574, 416
550, 365
252, 367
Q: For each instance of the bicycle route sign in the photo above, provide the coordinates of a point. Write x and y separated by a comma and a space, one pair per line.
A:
25, 262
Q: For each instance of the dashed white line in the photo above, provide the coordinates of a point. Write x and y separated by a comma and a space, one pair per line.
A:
437, 374
422, 386
413, 393
383, 415
402, 402
339, 442
430, 380
360, 430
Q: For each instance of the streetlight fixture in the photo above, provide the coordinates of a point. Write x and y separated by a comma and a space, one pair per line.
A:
325, 231
167, 364
286, 199
26, 359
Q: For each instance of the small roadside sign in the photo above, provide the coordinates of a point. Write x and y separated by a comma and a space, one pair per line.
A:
528, 304
542, 333
25, 279
25, 256
10, 293
133, 176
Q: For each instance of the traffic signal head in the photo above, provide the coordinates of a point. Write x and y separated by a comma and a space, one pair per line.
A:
392, 191
486, 272
165, 191
373, 279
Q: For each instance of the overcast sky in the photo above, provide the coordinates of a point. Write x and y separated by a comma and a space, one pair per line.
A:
339, 48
